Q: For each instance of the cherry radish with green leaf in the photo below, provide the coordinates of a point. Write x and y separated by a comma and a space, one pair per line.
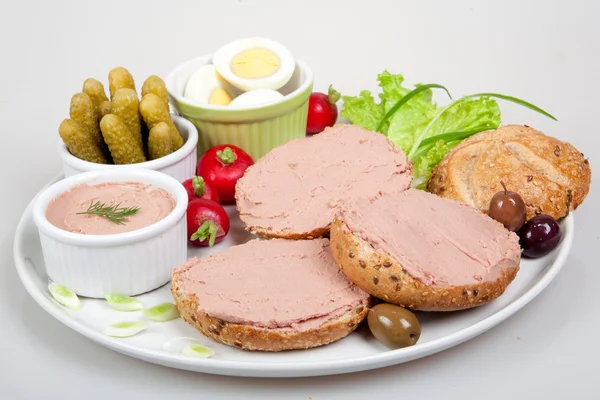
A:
197, 188
221, 167
207, 222
322, 110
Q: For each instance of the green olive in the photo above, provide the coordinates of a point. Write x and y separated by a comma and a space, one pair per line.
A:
394, 326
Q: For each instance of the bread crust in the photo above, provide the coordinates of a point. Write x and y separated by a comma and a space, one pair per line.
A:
551, 176
254, 338
383, 277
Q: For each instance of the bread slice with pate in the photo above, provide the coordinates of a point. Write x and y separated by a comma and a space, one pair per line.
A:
424, 252
270, 295
292, 191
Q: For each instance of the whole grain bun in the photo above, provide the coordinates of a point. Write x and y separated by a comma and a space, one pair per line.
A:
250, 337
551, 176
384, 277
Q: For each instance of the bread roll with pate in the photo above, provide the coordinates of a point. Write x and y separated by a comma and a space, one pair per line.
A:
424, 252
292, 191
270, 295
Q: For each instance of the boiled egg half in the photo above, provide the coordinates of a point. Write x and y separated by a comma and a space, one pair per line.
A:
208, 87
254, 63
258, 97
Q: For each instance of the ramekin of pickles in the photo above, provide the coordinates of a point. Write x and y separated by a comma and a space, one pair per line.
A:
126, 131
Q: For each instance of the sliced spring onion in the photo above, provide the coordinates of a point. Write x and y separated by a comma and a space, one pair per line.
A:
123, 303
64, 296
125, 329
162, 312
197, 350
405, 99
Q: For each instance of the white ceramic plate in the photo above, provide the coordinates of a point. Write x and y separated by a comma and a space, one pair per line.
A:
162, 342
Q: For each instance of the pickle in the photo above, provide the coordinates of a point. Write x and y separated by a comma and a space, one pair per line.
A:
119, 78
95, 90
153, 111
104, 108
123, 146
159, 141
79, 142
83, 111
126, 105
156, 85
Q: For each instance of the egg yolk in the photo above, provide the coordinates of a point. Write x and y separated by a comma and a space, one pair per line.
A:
220, 97
255, 63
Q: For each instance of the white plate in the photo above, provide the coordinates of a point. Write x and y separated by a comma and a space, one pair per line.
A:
161, 342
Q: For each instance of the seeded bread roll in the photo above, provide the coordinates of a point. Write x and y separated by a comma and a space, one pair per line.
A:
424, 252
551, 176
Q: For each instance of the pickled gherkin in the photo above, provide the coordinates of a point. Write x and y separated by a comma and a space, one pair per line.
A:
80, 143
95, 90
104, 108
153, 111
119, 78
156, 85
123, 146
126, 105
83, 111
159, 141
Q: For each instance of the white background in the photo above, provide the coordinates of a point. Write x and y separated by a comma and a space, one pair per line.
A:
545, 51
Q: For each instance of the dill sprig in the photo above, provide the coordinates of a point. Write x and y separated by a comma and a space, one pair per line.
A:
114, 212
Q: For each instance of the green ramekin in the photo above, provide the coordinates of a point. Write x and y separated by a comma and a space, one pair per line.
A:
256, 130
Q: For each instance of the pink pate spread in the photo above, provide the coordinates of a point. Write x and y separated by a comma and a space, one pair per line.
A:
273, 284
154, 204
438, 241
295, 187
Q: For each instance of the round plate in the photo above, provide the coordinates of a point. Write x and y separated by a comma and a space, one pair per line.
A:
161, 342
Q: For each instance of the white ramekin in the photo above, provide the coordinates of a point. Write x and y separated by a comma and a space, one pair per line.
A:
180, 164
127, 263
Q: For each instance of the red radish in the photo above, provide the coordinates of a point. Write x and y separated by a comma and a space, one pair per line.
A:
322, 110
221, 167
198, 189
207, 222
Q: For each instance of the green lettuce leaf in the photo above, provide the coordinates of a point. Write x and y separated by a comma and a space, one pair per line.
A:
362, 110
462, 115
432, 155
418, 119
411, 119
392, 90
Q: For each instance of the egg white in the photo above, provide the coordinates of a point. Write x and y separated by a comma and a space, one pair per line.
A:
258, 97
223, 57
203, 82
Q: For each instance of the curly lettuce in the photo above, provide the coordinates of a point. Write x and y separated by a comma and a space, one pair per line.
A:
420, 119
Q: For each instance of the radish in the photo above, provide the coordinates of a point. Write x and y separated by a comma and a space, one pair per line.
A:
322, 110
197, 188
221, 167
207, 222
